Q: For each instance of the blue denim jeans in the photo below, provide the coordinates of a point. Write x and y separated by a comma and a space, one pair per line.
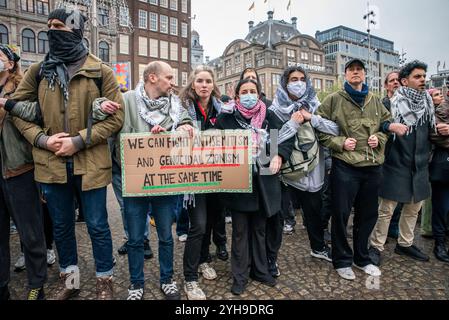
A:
117, 186
163, 211
61, 205
182, 218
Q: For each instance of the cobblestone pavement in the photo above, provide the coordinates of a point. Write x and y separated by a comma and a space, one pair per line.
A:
302, 277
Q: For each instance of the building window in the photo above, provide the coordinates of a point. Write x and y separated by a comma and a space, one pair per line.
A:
42, 42
141, 70
103, 50
304, 56
184, 76
2, 4
124, 44
28, 41
27, 5
86, 43
184, 6
248, 60
173, 26
143, 19
174, 5
4, 38
153, 2
164, 50
42, 7
153, 21
143, 46
185, 54
238, 63
164, 3
173, 51
164, 24
154, 48
317, 84
175, 76
103, 16
275, 79
316, 58
291, 55
228, 70
184, 30
260, 59
262, 82
124, 18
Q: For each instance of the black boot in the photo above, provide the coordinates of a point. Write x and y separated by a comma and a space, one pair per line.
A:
4, 293
440, 252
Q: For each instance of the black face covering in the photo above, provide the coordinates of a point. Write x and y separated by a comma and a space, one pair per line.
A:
65, 48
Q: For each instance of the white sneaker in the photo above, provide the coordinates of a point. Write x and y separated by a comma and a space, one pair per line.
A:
346, 273
370, 269
51, 257
20, 263
182, 238
135, 293
193, 291
207, 271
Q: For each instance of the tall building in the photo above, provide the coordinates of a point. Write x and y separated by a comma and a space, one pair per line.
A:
23, 23
161, 32
342, 44
197, 50
270, 47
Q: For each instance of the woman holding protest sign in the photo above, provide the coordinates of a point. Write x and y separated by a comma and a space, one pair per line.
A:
201, 98
250, 211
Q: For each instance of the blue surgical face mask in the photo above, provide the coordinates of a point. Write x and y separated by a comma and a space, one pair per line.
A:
249, 101
297, 88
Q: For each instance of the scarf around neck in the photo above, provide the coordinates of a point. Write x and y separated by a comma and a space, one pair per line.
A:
154, 112
284, 107
412, 108
257, 116
358, 96
65, 49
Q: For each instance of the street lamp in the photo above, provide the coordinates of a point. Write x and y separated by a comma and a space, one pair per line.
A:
369, 21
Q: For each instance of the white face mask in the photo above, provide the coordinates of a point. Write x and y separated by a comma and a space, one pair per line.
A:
2, 66
297, 88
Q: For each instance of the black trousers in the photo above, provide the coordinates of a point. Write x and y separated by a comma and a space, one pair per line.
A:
273, 236
311, 203
207, 209
440, 210
358, 187
248, 252
288, 205
326, 197
19, 199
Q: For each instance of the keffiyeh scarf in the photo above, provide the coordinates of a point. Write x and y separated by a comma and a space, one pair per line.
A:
155, 111
412, 108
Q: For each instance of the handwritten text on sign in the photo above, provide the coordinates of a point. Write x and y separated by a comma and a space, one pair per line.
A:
174, 163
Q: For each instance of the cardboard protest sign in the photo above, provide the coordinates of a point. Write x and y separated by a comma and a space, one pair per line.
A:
174, 163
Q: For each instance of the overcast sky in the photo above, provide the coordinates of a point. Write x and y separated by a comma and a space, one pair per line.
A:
420, 28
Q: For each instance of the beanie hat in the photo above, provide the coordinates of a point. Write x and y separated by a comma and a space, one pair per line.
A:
72, 18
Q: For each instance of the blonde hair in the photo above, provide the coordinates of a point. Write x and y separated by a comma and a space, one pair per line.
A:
188, 93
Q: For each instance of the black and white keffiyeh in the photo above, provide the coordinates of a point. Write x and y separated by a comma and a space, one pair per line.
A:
155, 111
412, 107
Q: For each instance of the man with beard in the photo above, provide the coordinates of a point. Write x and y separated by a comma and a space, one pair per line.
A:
70, 153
